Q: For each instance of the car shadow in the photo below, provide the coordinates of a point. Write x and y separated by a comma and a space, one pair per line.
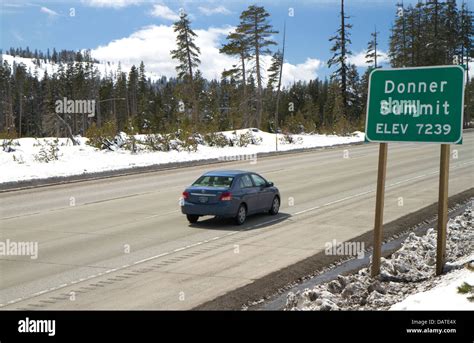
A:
253, 222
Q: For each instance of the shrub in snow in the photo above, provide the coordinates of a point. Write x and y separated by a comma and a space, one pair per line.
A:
101, 138
217, 140
49, 151
8, 141
189, 144
156, 142
245, 139
410, 269
198, 138
468, 289
465, 288
287, 139
131, 144
175, 144
187, 141
8, 144
290, 139
18, 159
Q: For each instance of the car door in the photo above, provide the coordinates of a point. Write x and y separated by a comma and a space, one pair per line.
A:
250, 193
265, 193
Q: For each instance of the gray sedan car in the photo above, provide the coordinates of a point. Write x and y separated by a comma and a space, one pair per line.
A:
230, 194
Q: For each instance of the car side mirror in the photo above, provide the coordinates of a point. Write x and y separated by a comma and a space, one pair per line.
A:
269, 184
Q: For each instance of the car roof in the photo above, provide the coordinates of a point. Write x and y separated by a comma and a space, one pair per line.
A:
226, 172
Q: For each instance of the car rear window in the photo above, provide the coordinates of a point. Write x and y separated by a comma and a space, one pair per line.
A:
214, 181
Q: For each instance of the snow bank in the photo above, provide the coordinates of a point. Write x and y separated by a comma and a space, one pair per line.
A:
410, 270
23, 164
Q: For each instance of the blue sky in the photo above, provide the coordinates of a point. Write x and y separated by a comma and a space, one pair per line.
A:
97, 23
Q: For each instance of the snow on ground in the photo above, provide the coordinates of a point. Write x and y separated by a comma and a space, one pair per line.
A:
444, 296
30, 65
22, 164
410, 270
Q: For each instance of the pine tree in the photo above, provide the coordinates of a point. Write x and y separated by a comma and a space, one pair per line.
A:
54, 58
435, 47
341, 51
469, 103
274, 70
48, 119
144, 99
120, 100
7, 119
257, 30
332, 106
237, 45
466, 35
372, 54
354, 98
451, 32
398, 40
275, 76
187, 54
133, 92
20, 84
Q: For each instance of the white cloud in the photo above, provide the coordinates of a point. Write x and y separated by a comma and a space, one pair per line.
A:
164, 12
152, 45
49, 12
211, 11
305, 71
359, 59
111, 3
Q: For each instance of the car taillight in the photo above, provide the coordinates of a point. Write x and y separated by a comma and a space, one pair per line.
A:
226, 196
185, 195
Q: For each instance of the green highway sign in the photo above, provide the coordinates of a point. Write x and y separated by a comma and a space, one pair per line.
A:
423, 104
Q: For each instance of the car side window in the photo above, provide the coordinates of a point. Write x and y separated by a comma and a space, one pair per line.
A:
245, 182
259, 181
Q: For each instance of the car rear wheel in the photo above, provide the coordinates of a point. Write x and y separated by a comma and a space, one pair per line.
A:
241, 215
275, 206
192, 218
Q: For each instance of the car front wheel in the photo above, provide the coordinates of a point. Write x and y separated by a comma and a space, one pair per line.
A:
275, 206
192, 218
241, 215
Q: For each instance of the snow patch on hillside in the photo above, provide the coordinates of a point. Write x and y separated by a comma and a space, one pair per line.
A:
103, 68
